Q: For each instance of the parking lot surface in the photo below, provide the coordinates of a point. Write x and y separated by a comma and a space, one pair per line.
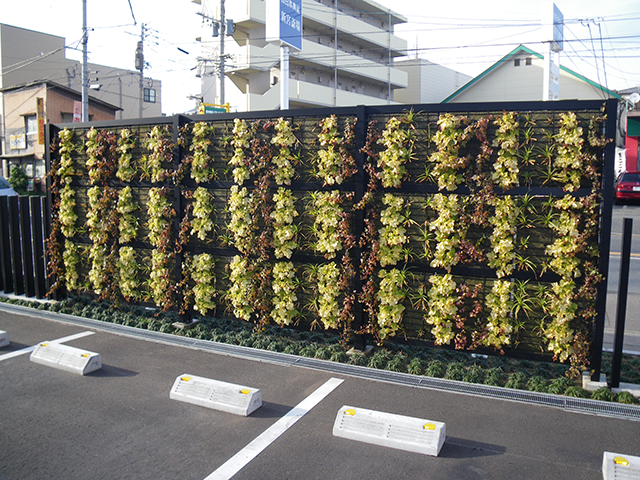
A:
119, 422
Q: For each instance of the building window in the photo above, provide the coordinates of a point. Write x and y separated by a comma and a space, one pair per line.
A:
30, 125
528, 61
516, 62
150, 95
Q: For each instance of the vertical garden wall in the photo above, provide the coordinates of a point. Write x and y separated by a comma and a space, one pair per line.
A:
476, 227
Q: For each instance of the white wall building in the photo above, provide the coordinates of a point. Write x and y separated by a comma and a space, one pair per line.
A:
347, 57
428, 82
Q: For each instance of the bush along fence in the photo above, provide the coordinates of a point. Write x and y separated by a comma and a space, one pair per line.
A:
478, 227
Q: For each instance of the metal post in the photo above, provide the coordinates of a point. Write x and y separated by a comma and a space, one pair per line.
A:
85, 67
284, 77
621, 312
223, 32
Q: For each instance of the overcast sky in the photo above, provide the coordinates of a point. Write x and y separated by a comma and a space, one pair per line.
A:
602, 41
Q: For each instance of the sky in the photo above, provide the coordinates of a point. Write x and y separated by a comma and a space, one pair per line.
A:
602, 41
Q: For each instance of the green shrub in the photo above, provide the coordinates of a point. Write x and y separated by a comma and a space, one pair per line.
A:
494, 376
577, 392
292, 349
435, 369
340, 356
379, 359
18, 179
517, 380
323, 353
415, 366
475, 374
560, 385
603, 394
455, 371
358, 359
626, 397
397, 364
309, 351
538, 384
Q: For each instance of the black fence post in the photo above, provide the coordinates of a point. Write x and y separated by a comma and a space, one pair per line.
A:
621, 312
6, 271
26, 243
605, 237
16, 251
361, 138
178, 122
39, 265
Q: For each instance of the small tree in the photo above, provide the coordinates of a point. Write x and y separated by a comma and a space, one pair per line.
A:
19, 180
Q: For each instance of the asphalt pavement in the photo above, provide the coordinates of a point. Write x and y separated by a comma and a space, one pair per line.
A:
119, 422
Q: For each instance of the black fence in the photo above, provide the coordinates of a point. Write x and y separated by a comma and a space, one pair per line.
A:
22, 246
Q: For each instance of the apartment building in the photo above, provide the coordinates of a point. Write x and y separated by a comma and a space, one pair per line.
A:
347, 57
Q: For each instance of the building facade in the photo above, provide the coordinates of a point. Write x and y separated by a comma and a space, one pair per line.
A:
428, 82
518, 76
347, 57
23, 143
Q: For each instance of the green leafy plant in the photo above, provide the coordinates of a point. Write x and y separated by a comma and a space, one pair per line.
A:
333, 163
569, 159
328, 214
284, 230
241, 206
126, 166
506, 167
442, 308
128, 224
391, 293
71, 259
240, 292
284, 139
201, 169
202, 270
240, 142
398, 151
202, 223
284, 285
128, 272
18, 179
393, 234
451, 137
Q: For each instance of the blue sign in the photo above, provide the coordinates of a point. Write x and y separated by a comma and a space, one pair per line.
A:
284, 22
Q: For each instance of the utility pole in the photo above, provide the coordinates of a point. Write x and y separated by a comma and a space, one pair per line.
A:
223, 30
85, 67
140, 66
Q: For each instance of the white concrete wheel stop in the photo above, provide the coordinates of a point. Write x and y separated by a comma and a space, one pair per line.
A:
217, 395
4, 338
64, 357
390, 430
620, 467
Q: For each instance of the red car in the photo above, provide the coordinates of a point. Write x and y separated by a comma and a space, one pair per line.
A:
627, 187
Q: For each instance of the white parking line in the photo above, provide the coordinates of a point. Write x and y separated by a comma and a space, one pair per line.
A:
251, 451
22, 351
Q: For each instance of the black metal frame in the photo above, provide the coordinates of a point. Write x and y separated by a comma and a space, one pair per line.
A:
363, 114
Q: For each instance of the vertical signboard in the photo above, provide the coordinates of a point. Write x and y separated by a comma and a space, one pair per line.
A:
77, 111
40, 119
284, 22
553, 36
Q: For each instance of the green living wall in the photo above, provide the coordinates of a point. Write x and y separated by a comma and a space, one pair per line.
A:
479, 228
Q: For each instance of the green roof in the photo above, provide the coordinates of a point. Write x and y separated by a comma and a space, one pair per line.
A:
524, 49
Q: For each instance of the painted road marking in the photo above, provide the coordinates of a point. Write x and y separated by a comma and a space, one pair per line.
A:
251, 451
22, 351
